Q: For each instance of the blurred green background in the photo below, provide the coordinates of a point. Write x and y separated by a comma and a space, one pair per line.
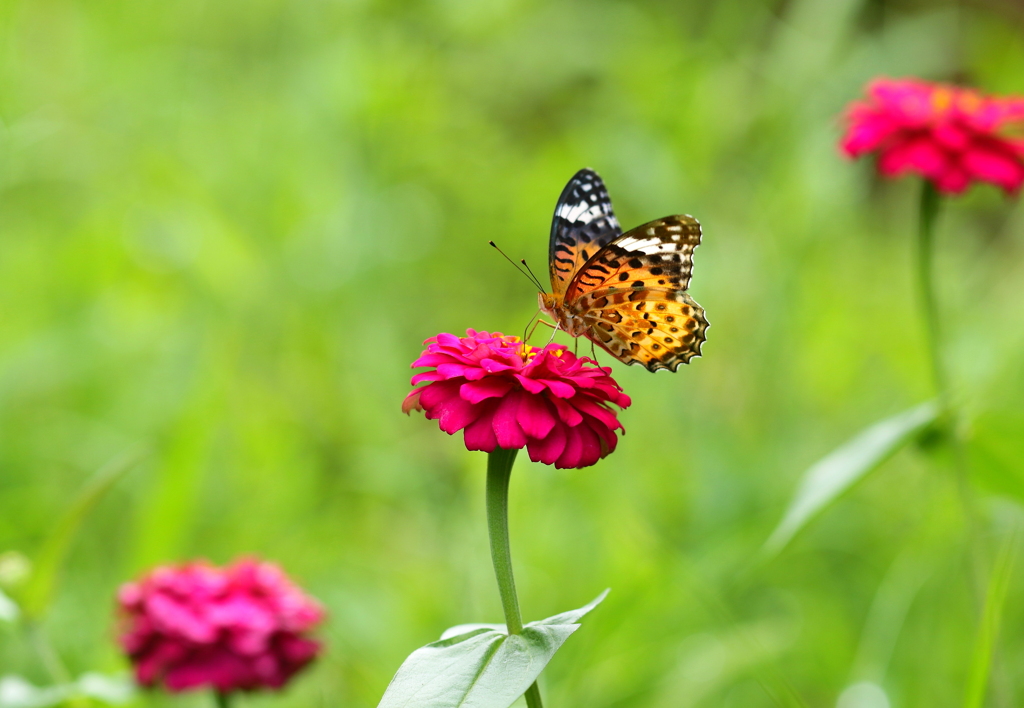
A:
226, 228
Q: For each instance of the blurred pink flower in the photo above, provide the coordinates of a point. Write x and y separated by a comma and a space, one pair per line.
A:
241, 627
503, 393
949, 135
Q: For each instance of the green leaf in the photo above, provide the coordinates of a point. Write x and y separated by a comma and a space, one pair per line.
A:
466, 628
833, 475
572, 616
991, 618
40, 587
482, 667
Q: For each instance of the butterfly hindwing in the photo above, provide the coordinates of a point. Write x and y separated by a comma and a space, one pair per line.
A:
659, 328
658, 254
582, 225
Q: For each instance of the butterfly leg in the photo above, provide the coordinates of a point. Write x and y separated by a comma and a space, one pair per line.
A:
534, 328
554, 328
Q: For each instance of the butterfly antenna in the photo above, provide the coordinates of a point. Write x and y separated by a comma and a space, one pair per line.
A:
536, 280
529, 276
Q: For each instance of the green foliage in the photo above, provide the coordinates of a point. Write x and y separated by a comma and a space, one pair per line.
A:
51, 555
226, 227
481, 665
835, 474
991, 620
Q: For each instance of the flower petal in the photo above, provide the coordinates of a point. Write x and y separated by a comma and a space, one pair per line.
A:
506, 428
490, 387
479, 435
569, 415
952, 181
453, 414
433, 395
590, 447
866, 134
549, 448
412, 401
535, 416
589, 407
448, 340
1001, 168
453, 370
573, 452
432, 358
426, 376
529, 384
918, 153
493, 366
559, 388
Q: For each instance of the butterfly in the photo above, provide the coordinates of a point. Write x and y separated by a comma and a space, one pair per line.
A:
626, 292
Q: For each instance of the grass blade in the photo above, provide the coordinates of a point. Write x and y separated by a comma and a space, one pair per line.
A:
991, 618
833, 475
40, 587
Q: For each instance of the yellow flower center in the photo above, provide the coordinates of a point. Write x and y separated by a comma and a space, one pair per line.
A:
969, 102
942, 99
528, 352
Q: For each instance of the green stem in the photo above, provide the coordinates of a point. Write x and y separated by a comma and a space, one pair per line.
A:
533, 696
499, 471
926, 239
223, 699
930, 203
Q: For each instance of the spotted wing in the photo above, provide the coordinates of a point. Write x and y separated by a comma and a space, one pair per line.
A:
583, 224
632, 294
658, 254
659, 328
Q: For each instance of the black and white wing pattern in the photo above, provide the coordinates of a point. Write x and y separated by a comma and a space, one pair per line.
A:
583, 224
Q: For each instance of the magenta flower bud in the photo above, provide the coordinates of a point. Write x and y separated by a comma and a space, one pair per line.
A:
503, 393
239, 628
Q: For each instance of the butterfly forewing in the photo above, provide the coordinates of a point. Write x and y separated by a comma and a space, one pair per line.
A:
658, 254
582, 225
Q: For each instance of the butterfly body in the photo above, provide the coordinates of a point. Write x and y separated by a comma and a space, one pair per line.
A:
574, 323
624, 292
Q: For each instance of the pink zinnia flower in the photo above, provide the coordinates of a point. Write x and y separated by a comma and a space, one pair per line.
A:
242, 627
949, 135
503, 393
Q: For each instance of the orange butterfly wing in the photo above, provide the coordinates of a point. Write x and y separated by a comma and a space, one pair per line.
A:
631, 294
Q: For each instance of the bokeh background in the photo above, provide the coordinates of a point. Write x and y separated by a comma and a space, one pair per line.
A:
226, 228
